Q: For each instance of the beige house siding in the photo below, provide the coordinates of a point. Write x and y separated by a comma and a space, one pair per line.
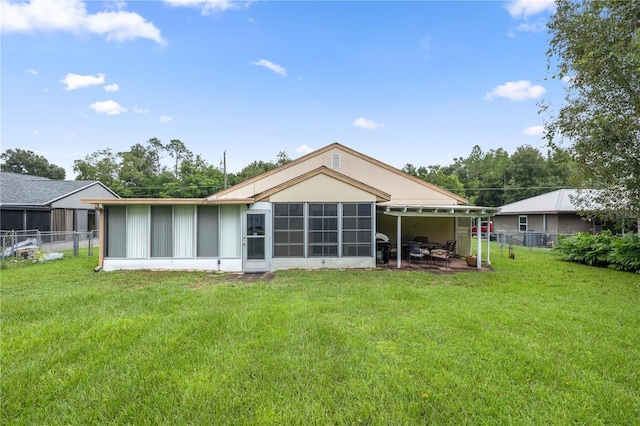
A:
322, 188
404, 188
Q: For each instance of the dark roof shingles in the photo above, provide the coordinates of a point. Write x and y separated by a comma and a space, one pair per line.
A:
17, 189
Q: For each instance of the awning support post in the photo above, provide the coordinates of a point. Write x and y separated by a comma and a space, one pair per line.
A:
489, 241
399, 241
479, 243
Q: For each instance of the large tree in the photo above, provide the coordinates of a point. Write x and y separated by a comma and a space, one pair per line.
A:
29, 163
595, 47
102, 165
141, 174
438, 176
528, 174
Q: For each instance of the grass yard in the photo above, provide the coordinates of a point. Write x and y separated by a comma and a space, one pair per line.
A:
536, 341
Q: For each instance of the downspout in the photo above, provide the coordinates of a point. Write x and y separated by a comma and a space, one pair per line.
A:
99, 208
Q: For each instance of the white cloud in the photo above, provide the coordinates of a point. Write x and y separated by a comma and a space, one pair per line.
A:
271, 66
71, 16
304, 149
365, 123
532, 27
115, 4
77, 81
140, 110
108, 107
112, 87
31, 71
165, 119
534, 131
209, 7
521, 9
516, 91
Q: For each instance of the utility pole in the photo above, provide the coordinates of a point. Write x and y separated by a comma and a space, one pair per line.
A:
224, 168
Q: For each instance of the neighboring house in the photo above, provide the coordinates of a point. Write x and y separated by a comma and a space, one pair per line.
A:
38, 203
550, 213
322, 210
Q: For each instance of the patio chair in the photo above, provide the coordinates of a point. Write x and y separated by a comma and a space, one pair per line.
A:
444, 255
450, 246
415, 251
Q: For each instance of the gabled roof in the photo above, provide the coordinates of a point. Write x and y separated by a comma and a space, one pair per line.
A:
255, 181
380, 195
25, 190
552, 202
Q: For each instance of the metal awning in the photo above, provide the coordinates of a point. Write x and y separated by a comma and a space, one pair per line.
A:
438, 211
416, 210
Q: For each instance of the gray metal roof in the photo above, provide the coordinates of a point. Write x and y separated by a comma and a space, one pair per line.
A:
24, 190
552, 202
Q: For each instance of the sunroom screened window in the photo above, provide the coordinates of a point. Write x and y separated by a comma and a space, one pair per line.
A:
356, 230
164, 231
116, 219
137, 232
161, 231
183, 231
323, 229
288, 230
207, 231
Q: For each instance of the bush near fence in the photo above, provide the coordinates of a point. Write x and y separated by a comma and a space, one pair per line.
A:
620, 252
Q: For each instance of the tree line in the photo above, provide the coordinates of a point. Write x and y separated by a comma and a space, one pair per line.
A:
157, 170
142, 171
495, 178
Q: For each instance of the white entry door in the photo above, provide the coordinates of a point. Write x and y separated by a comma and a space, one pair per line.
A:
254, 242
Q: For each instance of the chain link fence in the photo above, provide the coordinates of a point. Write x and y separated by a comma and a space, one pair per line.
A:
26, 244
528, 238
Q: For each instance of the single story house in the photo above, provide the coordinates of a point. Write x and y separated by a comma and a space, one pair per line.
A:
47, 205
322, 210
551, 213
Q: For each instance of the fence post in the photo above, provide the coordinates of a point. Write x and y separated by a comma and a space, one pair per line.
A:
3, 247
14, 242
75, 243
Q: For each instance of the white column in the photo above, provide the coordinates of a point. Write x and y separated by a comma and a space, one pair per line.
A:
399, 241
489, 241
479, 243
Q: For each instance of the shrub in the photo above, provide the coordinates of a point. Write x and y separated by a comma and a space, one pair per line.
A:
619, 252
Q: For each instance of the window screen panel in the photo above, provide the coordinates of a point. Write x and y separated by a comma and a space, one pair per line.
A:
288, 230
323, 229
137, 232
116, 221
161, 231
184, 231
208, 231
357, 230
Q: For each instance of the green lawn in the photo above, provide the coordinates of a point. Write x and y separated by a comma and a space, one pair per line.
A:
536, 341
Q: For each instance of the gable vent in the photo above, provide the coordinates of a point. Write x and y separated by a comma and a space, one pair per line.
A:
336, 161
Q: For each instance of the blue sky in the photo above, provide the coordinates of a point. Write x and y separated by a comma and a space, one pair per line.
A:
417, 82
